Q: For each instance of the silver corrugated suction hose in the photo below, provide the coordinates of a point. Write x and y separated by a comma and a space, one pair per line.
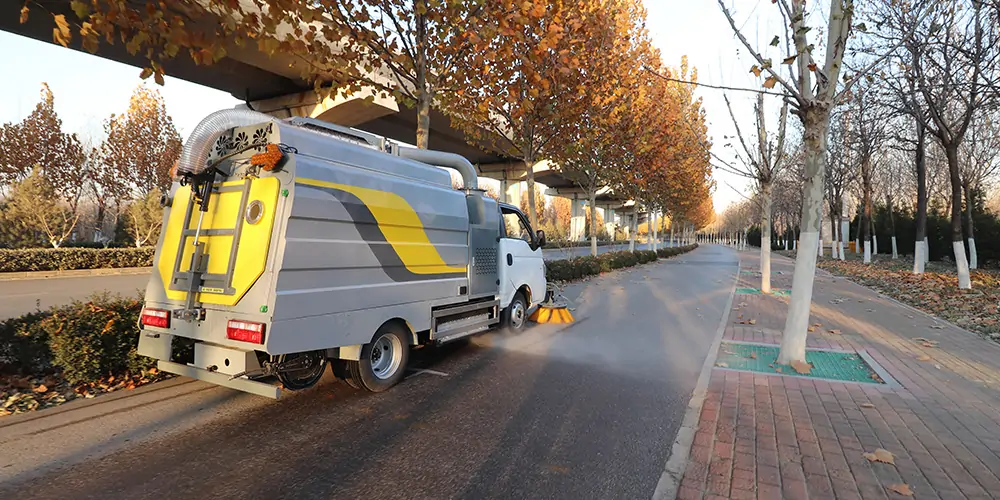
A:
194, 154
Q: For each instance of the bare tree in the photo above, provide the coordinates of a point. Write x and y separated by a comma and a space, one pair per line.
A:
953, 77
866, 136
980, 162
812, 103
762, 163
839, 177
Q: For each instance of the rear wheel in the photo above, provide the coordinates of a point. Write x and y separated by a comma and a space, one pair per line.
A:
515, 316
383, 360
307, 369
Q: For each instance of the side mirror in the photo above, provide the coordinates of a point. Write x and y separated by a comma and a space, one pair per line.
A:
540, 236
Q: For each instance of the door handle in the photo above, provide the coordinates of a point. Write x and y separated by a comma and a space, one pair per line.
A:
510, 259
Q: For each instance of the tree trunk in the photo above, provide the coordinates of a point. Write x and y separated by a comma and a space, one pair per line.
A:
633, 228
656, 231
672, 233
971, 229
424, 95
593, 221
871, 222
793, 342
958, 246
765, 240
921, 252
833, 231
530, 181
892, 226
840, 226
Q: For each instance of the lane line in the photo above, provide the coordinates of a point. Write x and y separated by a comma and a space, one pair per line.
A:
418, 371
673, 471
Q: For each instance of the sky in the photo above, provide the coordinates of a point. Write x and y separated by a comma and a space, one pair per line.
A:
88, 88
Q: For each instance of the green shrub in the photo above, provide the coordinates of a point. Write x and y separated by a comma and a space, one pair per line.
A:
66, 259
24, 344
581, 267
93, 339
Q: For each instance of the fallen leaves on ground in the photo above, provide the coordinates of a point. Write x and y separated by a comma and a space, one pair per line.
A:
753, 355
923, 357
935, 292
722, 364
902, 489
881, 455
867, 405
801, 367
835, 332
26, 394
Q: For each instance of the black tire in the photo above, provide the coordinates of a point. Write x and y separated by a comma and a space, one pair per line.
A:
373, 372
515, 316
306, 377
339, 367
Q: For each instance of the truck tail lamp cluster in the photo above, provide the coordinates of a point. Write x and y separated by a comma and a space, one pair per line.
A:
245, 331
156, 317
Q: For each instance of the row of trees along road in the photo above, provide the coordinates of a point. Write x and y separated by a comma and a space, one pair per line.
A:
573, 82
908, 107
54, 185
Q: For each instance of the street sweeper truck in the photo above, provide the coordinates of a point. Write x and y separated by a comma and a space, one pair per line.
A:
292, 244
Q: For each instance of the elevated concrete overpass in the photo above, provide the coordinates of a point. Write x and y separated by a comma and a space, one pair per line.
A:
271, 85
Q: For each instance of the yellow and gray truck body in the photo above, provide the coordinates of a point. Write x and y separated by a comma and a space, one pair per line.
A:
290, 244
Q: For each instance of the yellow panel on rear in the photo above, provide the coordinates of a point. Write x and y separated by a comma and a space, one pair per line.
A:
223, 213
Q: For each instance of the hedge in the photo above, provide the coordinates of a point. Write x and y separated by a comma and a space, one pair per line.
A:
84, 341
68, 259
580, 267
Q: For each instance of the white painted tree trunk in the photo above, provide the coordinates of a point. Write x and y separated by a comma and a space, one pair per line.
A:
833, 248
927, 251
672, 233
633, 228
765, 241
819, 247
786, 243
919, 249
857, 245
964, 280
973, 258
795, 245
793, 339
840, 250
656, 233
868, 252
874, 245
895, 250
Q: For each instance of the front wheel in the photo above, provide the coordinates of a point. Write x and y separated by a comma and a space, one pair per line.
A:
515, 316
383, 360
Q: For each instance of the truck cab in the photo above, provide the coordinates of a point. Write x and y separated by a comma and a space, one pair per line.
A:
521, 267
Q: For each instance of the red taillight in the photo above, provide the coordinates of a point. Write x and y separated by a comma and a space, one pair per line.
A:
245, 331
156, 317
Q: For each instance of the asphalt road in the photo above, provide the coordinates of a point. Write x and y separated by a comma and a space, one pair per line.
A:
19, 297
588, 410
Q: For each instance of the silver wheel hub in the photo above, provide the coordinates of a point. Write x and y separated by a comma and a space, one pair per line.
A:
517, 315
386, 356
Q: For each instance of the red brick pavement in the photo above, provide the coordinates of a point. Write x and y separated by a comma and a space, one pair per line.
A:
773, 436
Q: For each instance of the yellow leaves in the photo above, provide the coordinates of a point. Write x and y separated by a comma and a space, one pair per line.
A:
881, 455
24, 14
41, 389
146, 73
790, 59
923, 357
769, 83
81, 9
61, 33
902, 489
801, 367
755, 70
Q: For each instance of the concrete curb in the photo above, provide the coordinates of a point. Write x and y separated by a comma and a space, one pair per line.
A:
76, 273
670, 481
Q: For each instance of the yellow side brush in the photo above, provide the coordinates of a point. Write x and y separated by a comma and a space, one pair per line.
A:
547, 314
552, 311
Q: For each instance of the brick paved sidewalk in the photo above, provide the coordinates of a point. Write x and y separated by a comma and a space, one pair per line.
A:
775, 436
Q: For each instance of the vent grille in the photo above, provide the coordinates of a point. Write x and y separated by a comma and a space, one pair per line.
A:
486, 261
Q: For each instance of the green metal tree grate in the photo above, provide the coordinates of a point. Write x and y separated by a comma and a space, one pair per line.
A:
756, 291
825, 364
